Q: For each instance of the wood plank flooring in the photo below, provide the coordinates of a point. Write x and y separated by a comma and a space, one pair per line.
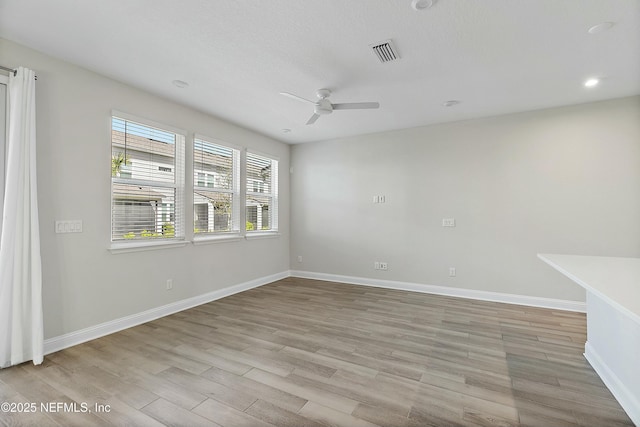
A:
301, 352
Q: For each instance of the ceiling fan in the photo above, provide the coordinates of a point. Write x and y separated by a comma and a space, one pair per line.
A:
324, 106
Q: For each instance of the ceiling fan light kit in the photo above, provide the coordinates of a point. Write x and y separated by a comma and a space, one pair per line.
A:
323, 106
422, 4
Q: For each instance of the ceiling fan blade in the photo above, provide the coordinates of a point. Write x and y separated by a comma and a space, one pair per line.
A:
296, 97
313, 119
356, 106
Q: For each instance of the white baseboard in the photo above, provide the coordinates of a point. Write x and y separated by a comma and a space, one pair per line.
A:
623, 395
556, 304
61, 342
77, 337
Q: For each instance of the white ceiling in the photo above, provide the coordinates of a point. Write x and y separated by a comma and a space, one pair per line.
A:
495, 56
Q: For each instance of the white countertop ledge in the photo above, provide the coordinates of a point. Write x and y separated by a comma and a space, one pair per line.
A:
615, 280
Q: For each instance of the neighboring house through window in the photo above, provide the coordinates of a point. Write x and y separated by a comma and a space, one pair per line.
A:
216, 187
262, 193
147, 184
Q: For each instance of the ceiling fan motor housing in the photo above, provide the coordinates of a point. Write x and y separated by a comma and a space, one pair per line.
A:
323, 107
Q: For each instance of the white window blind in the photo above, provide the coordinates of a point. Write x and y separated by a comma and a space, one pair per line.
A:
262, 193
216, 188
147, 184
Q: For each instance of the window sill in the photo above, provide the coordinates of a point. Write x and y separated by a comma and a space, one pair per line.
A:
251, 235
121, 248
207, 240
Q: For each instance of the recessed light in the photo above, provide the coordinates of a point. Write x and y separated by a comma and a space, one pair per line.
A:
591, 82
604, 26
450, 103
422, 4
179, 83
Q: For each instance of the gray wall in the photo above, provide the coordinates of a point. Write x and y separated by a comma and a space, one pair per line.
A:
563, 180
84, 284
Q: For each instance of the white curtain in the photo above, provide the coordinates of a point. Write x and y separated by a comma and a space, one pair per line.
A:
21, 328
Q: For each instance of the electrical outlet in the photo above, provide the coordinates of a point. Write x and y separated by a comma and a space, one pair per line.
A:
452, 272
379, 198
379, 265
169, 284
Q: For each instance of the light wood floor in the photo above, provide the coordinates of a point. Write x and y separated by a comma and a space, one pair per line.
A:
310, 353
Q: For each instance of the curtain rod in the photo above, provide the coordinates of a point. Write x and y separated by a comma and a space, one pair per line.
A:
11, 70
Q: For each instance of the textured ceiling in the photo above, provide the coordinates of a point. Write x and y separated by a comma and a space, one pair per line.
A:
495, 56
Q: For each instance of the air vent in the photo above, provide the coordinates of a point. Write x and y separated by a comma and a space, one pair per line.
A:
385, 51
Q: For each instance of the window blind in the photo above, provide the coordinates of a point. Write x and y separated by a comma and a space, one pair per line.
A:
216, 188
146, 185
262, 193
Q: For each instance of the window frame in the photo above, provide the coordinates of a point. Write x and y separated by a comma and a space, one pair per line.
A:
274, 186
185, 186
123, 246
236, 233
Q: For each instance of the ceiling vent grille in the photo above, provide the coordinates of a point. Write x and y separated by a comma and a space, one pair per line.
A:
385, 51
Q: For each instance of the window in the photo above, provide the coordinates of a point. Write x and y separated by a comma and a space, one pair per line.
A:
4, 111
216, 188
147, 184
262, 193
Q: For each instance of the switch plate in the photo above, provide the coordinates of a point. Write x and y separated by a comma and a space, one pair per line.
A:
299, 258
452, 272
448, 222
383, 266
169, 284
69, 226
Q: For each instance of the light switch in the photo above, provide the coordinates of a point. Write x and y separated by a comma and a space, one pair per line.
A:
448, 222
69, 226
